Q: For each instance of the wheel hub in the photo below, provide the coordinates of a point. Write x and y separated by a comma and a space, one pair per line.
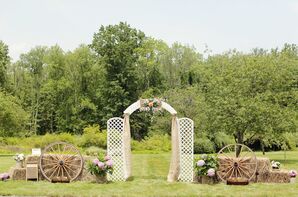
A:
61, 163
236, 164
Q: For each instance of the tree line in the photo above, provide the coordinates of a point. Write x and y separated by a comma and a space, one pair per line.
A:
247, 96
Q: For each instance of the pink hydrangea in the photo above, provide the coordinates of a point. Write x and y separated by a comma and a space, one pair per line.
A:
211, 172
200, 163
109, 163
101, 164
293, 173
4, 176
95, 161
107, 157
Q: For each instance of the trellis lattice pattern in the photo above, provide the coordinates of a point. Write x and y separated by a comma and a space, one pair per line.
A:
115, 148
186, 141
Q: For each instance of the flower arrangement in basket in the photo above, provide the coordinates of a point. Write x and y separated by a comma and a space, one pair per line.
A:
19, 158
275, 165
100, 166
206, 167
152, 104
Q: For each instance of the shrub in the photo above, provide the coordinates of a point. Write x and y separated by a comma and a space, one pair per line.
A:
93, 151
155, 143
203, 145
93, 137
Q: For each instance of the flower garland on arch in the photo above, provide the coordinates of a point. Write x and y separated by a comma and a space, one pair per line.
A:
151, 104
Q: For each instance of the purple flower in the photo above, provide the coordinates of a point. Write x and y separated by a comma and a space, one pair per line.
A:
293, 173
95, 161
107, 157
200, 163
211, 172
101, 165
4, 176
109, 163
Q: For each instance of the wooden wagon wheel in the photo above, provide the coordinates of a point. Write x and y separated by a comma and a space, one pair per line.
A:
236, 161
61, 162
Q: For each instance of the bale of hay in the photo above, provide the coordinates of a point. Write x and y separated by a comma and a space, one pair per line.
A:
32, 159
86, 176
264, 167
275, 176
18, 174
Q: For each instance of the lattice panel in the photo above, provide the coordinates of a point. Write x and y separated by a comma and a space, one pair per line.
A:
115, 148
186, 127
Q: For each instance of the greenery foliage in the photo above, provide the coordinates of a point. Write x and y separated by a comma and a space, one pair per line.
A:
249, 98
205, 163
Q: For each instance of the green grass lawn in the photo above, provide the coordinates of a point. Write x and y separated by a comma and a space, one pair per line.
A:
150, 172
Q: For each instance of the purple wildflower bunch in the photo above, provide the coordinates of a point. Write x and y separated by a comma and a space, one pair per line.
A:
101, 165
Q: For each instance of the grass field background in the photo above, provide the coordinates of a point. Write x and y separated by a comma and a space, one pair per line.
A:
149, 179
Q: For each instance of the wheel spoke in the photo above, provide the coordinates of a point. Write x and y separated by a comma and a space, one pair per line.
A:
55, 158
248, 176
228, 172
69, 164
242, 159
59, 169
51, 164
70, 169
50, 169
232, 173
68, 175
245, 168
48, 159
244, 163
53, 172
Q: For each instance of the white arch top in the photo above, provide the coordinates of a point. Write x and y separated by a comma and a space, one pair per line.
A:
137, 105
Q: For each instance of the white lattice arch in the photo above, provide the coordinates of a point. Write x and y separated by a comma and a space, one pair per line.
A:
137, 105
181, 140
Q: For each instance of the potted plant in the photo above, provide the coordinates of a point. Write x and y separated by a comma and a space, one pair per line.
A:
19, 158
275, 165
206, 168
99, 167
293, 174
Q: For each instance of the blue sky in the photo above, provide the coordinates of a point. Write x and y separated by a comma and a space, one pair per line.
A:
220, 24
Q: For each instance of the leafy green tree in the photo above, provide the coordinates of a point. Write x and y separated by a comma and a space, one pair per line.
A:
4, 61
149, 65
177, 65
33, 64
115, 46
13, 118
244, 94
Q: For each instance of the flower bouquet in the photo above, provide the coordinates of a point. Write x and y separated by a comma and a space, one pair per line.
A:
292, 174
19, 158
275, 165
100, 166
206, 168
152, 105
